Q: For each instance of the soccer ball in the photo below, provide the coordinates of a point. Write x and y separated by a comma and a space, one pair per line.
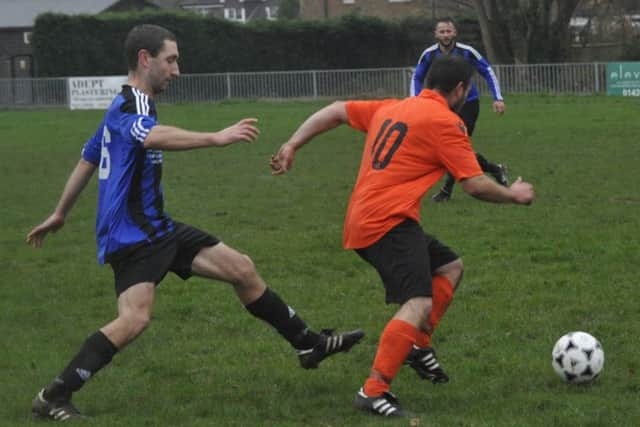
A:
577, 357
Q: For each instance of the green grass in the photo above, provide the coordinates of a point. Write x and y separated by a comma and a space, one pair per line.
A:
569, 262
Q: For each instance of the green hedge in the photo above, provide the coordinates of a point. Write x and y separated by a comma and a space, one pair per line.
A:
92, 45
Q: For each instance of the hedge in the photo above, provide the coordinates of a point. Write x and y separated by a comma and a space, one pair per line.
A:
92, 45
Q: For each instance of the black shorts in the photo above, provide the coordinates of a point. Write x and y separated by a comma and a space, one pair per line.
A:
469, 114
405, 258
150, 263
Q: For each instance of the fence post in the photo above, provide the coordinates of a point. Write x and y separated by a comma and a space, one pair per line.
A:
314, 73
405, 85
526, 78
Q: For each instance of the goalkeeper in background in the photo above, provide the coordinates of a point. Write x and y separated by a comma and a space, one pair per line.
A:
446, 33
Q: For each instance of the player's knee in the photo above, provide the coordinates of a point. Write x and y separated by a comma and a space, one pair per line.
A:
244, 271
459, 271
453, 272
141, 323
457, 268
417, 309
136, 323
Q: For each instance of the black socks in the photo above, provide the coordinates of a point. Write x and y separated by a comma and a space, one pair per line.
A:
96, 352
270, 308
448, 184
486, 165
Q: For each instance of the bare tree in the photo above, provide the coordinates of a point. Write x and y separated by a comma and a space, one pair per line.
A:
441, 8
607, 21
525, 31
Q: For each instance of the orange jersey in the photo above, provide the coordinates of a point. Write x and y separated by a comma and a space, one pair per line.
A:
410, 144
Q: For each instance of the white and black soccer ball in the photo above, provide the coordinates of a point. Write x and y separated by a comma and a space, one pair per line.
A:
577, 357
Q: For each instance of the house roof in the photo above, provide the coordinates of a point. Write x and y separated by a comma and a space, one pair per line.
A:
167, 4
23, 13
177, 4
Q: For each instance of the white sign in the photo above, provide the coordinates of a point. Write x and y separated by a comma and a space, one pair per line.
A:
87, 93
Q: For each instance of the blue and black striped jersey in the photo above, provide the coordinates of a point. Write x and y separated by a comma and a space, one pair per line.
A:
130, 200
471, 55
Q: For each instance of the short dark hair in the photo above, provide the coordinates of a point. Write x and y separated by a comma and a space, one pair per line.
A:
446, 20
447, 71
148, 37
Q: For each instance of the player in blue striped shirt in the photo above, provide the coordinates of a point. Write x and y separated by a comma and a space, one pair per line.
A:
140, 241
446, 33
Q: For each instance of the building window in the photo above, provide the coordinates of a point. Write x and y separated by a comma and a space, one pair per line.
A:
202, 9
233, 14
26, 37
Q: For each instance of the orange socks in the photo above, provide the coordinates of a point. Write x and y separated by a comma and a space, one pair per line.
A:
442, 295
395, 344
424, 340
399, 336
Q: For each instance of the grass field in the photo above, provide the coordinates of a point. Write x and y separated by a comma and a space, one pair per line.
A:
569, 262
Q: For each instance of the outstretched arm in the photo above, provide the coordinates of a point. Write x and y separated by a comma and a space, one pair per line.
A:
72, 189
319, 122
484, 68
174, 139
483, 188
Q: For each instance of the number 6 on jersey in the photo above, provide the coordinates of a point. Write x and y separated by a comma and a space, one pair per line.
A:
105, 160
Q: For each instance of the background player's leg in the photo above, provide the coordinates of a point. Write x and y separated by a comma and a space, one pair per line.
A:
496, 170
445, 192
469, 115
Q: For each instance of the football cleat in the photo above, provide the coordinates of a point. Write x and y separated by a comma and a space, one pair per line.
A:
441, 196
424, 362
385, 405
54, 411
501, 175
329, 344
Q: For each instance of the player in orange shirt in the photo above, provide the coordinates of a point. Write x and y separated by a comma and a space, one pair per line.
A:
410, 144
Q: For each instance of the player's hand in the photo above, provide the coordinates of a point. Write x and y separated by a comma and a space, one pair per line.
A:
523, 192
498, 107
51, 224
282, 161
243, 131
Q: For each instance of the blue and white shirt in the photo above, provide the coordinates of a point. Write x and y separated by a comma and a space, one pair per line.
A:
130, 200
468, 53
